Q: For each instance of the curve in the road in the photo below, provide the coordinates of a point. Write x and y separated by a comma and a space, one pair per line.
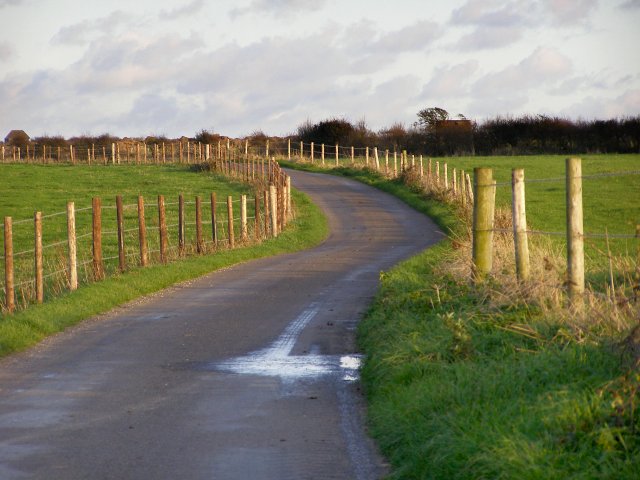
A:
250, 372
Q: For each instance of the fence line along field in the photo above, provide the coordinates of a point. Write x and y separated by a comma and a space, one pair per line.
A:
82, 231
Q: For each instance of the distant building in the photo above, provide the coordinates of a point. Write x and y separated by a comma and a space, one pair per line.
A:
17, 138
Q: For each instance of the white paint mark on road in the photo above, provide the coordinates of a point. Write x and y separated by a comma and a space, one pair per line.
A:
277, 361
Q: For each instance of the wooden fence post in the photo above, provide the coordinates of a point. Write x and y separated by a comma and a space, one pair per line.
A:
337, 156
366, 156
273, 204
96, 228
520, 238
214, 220
267, 212
113, 154
483, 215
575, 231
470, 190
322, 154
267, 149
180, 224
9, 285
353, 155
258, 220
230, 220
71, 241
288, 149
244, 231
142, 232
301, 151
289, 204
312, 151
454, 182
377, 160
463, 188
421, 168
162, 228
199, 240
122, 260
38, 263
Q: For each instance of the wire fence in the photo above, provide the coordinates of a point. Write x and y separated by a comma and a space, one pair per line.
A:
41, 259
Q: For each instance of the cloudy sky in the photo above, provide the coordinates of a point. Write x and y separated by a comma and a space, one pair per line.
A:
134, 68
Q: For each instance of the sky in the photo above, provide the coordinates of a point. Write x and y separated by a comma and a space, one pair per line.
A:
165, 67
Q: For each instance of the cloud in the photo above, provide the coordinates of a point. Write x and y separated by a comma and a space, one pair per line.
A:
82, 32
489, 13
184, 11
10, 3
6, 51
450, 81
630, 5
545, 66
569, 12
624, 105
415, 37
278, 7
489, 38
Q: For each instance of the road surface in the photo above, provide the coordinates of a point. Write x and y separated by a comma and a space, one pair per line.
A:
246, 373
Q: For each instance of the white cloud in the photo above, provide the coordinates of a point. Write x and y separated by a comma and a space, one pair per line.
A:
489, 38
626, 104
6, 51
414, 37
82, 32
545, 66
630, 5
278, 7
570, 12
183, 11
10, 3
450, 82
490, 13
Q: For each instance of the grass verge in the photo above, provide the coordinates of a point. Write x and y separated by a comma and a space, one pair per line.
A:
27, 327
471, 382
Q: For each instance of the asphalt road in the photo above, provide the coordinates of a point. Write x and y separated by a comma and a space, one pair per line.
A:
246, 373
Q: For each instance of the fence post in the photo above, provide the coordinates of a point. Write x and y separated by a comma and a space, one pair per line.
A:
181, 224
301, 151
288, 149
267, 212
377, 160
289, 201
520, 239
214, 220
273, 204
575, 240
322, 154
366, 156
71, 240
8, 266
353, 155
463, 188
337, 156
96, 228
258, 220
470, 189
122, 265
267, 150
446, 176
454, 182
312, 151
421, 168
244, 231
395, 164
199, 242
162, 228
230, 220
38, 264
483, 214
142, 232
113, 154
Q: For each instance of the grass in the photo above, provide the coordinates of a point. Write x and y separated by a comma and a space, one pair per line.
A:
29, 326
489, 381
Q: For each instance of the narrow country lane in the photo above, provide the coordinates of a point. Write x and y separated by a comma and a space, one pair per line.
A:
246, 373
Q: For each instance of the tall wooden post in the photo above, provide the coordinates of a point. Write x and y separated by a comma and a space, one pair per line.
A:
230, 221
575, 231
483, 216
142, 232
38, 263
180, 224
244, 231
199, 239
312, 151
96, 228
267, 212
288, 149
162, 228
520, 238
122, 265
257, 217
337, 156
273, 204
376, 159
71, 241
214, 220
322, 153
9, 285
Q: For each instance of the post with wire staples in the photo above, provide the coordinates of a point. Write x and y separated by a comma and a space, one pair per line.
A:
483, 217
520, 239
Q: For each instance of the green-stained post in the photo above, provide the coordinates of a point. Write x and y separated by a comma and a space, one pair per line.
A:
575, 231
483, 215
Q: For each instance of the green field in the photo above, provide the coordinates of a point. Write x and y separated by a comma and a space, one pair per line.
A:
26, 188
